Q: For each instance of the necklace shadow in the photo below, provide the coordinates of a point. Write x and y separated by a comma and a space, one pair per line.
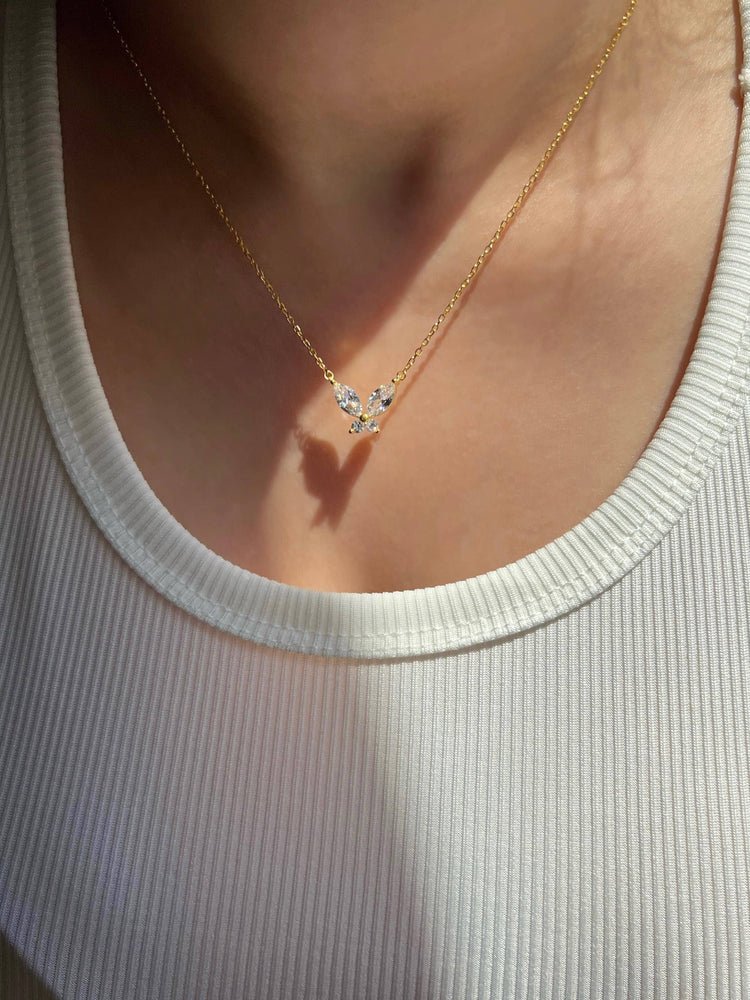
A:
327, 479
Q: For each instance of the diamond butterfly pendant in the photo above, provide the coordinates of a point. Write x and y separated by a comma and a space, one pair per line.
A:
378, 403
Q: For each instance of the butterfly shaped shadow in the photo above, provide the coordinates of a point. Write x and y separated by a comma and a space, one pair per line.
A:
326, 478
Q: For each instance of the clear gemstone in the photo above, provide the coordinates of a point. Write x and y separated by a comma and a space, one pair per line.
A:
381, 399
372, 426
347, 399
357, 427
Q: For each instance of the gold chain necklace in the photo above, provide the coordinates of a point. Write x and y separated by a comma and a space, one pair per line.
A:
382, 397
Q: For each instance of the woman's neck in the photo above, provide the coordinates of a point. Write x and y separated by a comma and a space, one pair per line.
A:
352, 101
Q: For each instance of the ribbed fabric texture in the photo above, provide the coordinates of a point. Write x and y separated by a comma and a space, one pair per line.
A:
432, 795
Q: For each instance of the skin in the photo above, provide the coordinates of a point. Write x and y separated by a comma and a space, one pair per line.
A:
368, 151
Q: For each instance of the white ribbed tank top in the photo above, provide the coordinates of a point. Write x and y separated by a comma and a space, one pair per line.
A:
534, 783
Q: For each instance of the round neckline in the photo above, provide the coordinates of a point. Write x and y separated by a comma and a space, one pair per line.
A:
556, 578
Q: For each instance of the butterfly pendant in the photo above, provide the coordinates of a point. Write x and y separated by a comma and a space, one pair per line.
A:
378, 403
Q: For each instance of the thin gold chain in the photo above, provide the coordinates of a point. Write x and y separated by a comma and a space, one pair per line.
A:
476, 266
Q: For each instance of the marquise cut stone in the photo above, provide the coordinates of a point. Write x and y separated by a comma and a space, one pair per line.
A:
357, 427
381, 399
347, 399
372, 426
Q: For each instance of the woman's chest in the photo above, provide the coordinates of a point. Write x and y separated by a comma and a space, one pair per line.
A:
527, 410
